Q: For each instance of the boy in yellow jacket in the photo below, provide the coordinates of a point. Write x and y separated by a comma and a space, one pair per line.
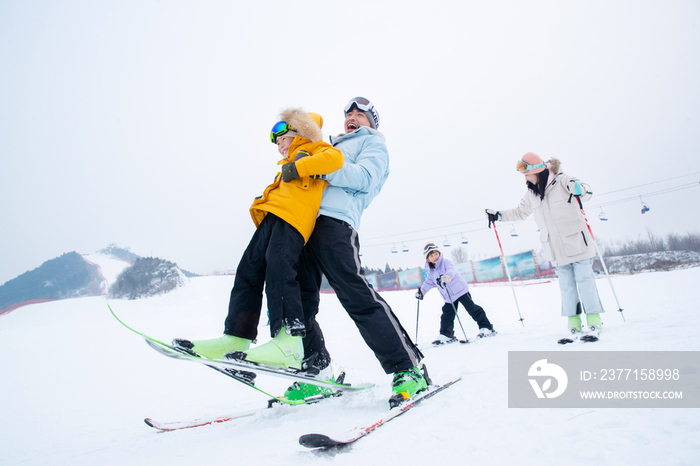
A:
285, 216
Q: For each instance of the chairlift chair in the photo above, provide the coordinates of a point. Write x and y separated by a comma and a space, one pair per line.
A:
513, 231
602, 216
405, 248
446, 243
645, 208
394, 250
464, 240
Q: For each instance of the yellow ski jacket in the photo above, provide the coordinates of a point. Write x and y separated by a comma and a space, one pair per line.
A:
297, 201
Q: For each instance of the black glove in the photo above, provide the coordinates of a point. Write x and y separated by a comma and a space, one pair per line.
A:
492, 215
289, 172
419, 294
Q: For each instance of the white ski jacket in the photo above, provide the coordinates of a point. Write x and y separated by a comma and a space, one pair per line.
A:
563, 231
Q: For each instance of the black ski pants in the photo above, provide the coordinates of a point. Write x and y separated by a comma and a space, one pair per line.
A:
269, 261
447, 320
333, 250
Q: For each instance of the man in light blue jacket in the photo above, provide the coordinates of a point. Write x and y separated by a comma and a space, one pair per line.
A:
333, 250
351, 190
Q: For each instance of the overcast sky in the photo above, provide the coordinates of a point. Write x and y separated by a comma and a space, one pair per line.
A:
146, 123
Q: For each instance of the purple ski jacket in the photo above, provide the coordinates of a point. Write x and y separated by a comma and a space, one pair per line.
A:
458, 286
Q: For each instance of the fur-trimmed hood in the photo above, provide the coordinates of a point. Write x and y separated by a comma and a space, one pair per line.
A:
306, 125
554, 165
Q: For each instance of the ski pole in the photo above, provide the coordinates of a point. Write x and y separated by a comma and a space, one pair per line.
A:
600, 256
505, 265
417, 311
466, 340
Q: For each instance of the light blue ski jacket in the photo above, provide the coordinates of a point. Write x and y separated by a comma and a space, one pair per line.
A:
351, 189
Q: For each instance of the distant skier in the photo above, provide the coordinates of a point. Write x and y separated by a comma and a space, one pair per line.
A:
442, 273
553, 198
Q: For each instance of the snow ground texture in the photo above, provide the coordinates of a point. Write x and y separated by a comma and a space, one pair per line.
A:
77, 385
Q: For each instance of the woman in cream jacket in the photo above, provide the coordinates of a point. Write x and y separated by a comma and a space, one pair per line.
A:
552, 197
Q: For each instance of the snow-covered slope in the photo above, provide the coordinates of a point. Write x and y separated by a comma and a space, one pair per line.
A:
77, 385
110, 267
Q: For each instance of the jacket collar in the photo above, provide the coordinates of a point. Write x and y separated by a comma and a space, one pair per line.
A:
362, 130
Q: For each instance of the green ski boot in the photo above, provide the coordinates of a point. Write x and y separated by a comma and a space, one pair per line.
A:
595, 323
283, 350
305, 391
214, 348
574, 324
573, 330
406, 384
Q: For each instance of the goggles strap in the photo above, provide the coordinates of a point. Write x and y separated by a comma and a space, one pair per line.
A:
527, 167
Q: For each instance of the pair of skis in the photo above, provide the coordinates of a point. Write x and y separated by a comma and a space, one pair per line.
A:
353, 435
438, 343
199, 422
585, 338
314, 440
241, 372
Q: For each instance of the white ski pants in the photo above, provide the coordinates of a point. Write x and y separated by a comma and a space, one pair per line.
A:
577, 284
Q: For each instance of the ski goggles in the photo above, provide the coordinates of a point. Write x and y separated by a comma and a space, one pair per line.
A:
280, 129
428, 248
363, 105
524, 167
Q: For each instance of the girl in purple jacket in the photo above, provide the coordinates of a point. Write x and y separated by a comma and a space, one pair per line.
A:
442, 273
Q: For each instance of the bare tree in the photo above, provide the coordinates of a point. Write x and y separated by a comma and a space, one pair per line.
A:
460, 254
655, 243
673, 242
679, 242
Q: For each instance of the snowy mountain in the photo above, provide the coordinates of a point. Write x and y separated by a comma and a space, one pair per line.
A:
74, 275
87, 404
66, 276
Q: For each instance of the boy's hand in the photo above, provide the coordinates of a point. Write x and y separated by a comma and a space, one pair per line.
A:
289, 172
445, 278
419, 294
